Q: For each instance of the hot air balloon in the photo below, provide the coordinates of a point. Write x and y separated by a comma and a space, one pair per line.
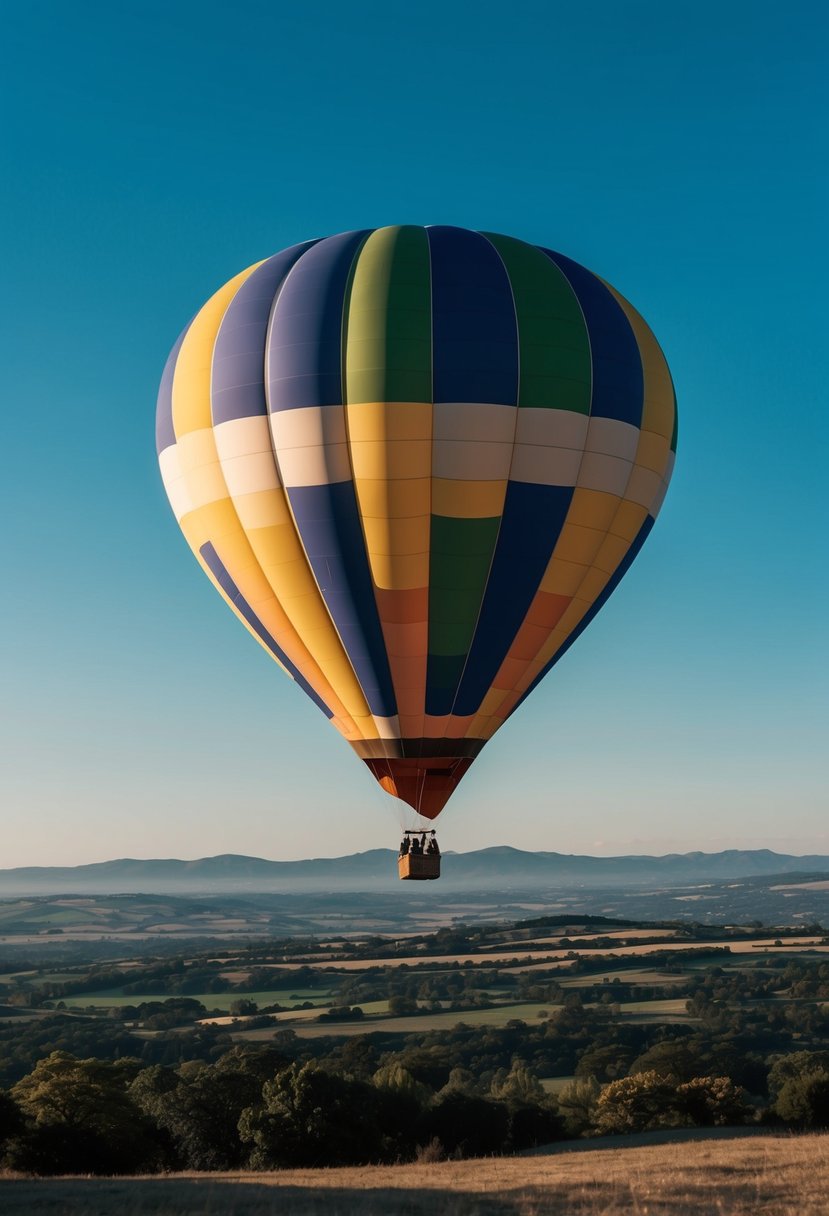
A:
416, 462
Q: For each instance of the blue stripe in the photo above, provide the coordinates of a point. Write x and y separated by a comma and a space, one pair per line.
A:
165, 435
304, 368
532, 520
474, 330
329, 528
237, 388
618, 380
304, 353
621, 570
222, 577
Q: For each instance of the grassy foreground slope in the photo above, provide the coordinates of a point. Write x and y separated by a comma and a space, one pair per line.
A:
669, 1175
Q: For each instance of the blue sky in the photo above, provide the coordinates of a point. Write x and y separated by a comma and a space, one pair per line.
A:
154, 150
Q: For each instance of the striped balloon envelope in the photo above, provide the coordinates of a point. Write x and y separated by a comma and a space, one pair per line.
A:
416, 462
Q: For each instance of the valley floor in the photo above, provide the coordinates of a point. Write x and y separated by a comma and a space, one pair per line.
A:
670, 1174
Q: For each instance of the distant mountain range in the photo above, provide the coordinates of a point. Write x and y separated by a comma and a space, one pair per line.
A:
500, 869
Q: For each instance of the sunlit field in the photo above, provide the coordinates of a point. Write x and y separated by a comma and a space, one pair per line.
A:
674, 1174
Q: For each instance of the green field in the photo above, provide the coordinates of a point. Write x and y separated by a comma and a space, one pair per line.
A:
375, 1012
419, 1023
115, 999
631, 975
46, 915
655, 1011
554, 1085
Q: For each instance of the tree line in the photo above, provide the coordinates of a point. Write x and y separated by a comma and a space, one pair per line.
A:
253, 1109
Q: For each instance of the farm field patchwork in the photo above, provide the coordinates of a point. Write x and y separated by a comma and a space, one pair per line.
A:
475, 1053
130, 923
543, 958
402, 988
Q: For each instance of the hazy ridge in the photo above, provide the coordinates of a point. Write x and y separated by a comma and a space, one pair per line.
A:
501, 866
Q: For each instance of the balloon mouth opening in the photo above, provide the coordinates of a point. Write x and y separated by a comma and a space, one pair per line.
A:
425, 783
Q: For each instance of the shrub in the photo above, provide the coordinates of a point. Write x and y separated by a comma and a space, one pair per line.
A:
649, 1100
803, 1100
638, 1103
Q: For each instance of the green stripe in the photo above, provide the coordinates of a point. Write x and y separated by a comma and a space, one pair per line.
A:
445, 673
460, 558
388, 325
554, 349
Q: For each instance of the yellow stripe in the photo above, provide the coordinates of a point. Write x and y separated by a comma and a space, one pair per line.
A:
244, 555
217, 522
592, 508
659, 409
468, 499
390, 445
191, 379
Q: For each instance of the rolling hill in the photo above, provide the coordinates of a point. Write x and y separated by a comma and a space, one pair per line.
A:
501, 868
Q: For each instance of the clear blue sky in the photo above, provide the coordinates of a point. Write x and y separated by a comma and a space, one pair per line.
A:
154, 149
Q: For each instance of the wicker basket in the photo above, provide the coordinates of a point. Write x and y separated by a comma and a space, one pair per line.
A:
419, 865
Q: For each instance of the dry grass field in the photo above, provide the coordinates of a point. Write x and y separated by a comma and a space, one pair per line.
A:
668, 1174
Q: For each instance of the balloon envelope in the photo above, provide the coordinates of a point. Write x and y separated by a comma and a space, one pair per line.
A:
416, 462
